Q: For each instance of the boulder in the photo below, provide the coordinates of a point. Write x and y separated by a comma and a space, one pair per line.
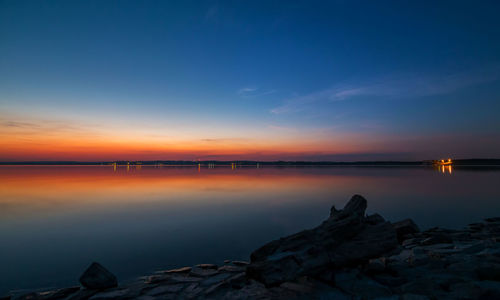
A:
346, 238
97, 277
404, 228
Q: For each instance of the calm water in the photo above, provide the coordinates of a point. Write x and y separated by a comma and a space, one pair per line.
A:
54, 221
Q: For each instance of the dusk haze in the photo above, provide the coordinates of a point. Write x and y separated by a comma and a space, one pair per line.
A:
258, 80
249, 149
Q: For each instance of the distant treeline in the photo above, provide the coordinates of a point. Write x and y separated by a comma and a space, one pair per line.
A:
459, 162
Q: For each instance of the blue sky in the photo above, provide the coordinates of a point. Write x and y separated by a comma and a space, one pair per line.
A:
405, 80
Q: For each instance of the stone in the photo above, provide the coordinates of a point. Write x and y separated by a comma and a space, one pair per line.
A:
97, 277
237, 280
215, 279
488, 270
215, 287
413, 297
374, 219
116, 294
156, 279
344, 239
363, 287
297, 287
82, 294
183, 279
202, 272
192, 291
375, 265
404, 228
229, 268
227, 261
179, 270
5, 297
240, 263
164, 289
58, 294
207, 266
437, 239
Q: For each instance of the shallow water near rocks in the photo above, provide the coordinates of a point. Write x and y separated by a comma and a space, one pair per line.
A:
56, 220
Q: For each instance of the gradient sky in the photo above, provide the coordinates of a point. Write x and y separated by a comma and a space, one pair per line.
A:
290, 80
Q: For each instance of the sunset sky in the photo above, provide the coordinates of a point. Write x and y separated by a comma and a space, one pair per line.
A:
261, 80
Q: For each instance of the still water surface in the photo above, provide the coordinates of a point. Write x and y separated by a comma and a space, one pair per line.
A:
55, 220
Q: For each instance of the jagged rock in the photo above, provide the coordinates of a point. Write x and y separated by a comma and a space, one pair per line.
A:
405, 227
344, 239
374, 219
240, 263
98, 277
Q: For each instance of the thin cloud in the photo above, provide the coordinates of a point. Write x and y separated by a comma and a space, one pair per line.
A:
250, 92
401, 86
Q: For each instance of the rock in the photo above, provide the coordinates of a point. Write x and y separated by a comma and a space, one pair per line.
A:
192, 291
97, 277
183, 279
156, 279
215, 287
489, 289
237, 280
404, 228
437, 239
5, 297
240, 263
215, 279
227, 261
207, 266
82, 294
376, 265
374, 219
413, 297
229, 268
179, 270
58, 294
488, 270
297, 287
164, 289
344, 239
362, 286
116, 294
198, 272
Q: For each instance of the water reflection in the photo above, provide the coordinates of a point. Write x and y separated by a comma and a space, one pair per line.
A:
137, 219
445, 169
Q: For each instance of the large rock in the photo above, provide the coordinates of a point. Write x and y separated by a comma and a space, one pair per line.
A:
404, 228
97, 277
346, 238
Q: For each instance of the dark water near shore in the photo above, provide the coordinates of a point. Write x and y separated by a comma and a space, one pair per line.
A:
56, 220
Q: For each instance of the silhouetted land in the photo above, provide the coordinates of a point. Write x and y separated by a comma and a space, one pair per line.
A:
458, 162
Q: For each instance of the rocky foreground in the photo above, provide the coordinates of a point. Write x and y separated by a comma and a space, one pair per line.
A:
349, 256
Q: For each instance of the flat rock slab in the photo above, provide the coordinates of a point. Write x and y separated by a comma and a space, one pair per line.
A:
202, 272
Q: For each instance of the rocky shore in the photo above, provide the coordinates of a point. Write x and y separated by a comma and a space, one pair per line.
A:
350, 255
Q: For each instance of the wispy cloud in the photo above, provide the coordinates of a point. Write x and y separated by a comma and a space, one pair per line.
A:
400, 85
250, 92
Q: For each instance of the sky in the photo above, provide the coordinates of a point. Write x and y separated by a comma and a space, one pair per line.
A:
259, 80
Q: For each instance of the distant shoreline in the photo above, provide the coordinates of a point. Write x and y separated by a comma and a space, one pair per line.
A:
243, 163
